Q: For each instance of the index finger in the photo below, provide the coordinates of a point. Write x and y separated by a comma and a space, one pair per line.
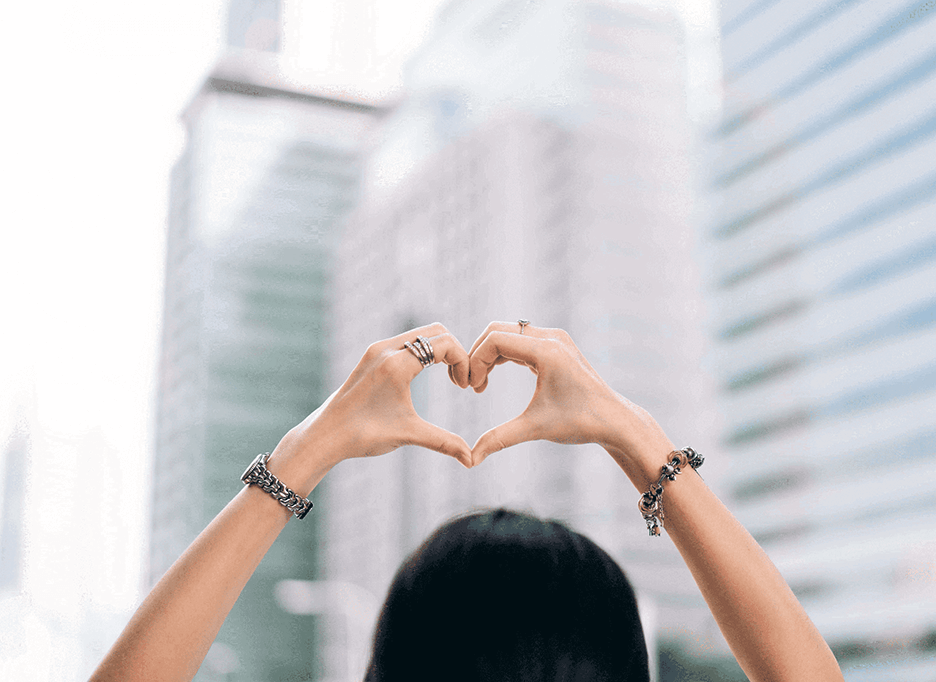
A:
445, 349
500, 345
500, 327
430, 330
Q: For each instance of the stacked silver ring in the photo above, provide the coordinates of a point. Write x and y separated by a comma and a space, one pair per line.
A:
422, 349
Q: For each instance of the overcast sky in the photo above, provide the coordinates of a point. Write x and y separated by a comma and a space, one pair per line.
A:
92, 98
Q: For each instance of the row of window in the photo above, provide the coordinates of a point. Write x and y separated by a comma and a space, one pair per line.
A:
909, 77
891, 27
865, 397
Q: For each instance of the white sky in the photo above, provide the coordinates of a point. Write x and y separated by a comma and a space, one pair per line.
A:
90, 117
92, 98
92, 95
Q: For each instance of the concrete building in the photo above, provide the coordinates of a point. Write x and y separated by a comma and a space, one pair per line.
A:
268, 172
823, 271
538, 168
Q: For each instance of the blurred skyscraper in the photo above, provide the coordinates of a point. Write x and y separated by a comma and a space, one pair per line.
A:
538, 168
268, 172
824, 279
13, 491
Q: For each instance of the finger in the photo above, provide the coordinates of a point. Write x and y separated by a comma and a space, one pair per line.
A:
492, 326
449, 350
484, 384
396, 342
499, 347
433, 437
512, 327
379, 351
518, 430
445, 349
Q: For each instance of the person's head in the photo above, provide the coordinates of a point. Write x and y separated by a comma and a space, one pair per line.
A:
501, 596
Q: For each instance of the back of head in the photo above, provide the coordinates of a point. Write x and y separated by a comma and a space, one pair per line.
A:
500, 596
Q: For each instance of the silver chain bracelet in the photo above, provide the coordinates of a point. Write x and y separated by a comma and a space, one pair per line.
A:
257, 474
650, 503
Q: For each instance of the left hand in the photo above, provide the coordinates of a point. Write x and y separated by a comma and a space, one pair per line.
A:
372, 413
571, 402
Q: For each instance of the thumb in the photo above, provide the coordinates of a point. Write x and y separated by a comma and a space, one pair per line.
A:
517, 430
436, 438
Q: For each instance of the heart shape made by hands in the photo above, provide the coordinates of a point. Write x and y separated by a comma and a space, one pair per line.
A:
566, 384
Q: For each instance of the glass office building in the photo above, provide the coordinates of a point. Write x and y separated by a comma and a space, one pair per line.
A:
268, 173
823, 273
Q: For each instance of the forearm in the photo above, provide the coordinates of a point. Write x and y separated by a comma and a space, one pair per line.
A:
371, 414
764, 624
172, 630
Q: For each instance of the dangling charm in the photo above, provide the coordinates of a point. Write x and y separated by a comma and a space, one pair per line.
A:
650, 503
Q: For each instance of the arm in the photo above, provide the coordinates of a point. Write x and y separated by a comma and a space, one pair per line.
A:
372, 413
765, 626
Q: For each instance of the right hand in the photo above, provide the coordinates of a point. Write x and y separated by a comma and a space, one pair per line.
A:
571, 403
372, 413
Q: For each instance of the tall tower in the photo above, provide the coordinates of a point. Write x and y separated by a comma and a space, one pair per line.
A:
268, 174
12, 494
538, 169
824, 280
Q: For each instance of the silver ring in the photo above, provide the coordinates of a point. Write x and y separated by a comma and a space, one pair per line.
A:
522, 323
427, 347
416, 349
417, 344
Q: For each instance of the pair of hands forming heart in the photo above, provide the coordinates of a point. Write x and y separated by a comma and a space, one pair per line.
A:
372, 413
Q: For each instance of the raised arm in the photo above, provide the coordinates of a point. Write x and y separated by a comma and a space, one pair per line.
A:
372, 413
765, 626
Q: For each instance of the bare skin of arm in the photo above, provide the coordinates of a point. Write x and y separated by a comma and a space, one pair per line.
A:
371, 414
766, 627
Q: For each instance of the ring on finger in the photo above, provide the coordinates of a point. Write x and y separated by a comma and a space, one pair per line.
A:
417, 350
522, 323
427, 347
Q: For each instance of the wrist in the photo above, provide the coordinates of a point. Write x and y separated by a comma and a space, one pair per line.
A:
651, 501
641, 471
302, 458
638, 445
257, 474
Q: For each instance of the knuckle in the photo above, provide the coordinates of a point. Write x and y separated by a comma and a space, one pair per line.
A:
387, 366
563, 335
444, 339
553, 350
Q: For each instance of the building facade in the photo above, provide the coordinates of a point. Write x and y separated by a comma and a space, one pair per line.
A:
539, 168
12, 499
823, 273
268, 172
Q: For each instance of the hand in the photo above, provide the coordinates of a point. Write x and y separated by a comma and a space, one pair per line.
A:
372, 413
571, 403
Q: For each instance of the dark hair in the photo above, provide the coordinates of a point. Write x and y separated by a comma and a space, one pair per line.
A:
501, 596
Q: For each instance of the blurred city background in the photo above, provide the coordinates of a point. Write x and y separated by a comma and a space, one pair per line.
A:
213, 208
